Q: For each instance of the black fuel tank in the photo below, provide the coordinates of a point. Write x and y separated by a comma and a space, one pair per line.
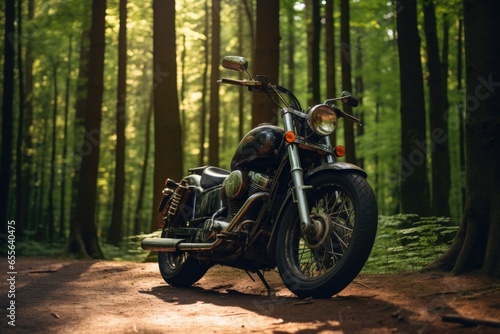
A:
258, 147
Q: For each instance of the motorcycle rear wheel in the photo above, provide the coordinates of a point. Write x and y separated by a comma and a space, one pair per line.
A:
179, 269
344, 211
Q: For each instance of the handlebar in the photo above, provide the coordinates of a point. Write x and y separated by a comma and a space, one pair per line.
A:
240, 82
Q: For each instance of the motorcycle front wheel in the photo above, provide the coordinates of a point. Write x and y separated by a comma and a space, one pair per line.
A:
179, 269
322, 262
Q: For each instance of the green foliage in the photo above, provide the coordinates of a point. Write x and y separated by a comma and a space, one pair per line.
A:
409, 242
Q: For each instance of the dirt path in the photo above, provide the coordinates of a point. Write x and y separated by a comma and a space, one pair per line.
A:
68, 296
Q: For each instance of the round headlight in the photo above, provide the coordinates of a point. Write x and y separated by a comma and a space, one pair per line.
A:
323, 119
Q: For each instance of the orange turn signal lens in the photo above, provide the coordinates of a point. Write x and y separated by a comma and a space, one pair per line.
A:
289, 136
339, 151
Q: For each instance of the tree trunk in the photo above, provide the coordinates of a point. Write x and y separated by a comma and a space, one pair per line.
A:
213, 137
116, 228
266, 59
438, 117
167, 124
359, 90
347, 79
142, 185
53, 164
476, 245
413, 169
22, 198
203, 111
83, 239
62, 218
7, 111
460, 107
331, 87
313, 38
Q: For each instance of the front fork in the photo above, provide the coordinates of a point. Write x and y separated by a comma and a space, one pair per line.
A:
298, 177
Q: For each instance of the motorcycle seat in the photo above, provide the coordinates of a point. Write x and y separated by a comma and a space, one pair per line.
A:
213, 176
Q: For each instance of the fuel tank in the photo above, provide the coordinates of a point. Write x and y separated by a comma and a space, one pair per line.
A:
258, 147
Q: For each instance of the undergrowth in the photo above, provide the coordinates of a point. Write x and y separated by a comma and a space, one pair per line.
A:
406, 243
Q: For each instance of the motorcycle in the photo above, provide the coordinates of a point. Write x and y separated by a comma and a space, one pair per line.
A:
285, 203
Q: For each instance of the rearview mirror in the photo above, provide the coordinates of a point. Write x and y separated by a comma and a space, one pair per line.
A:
235, 63
349, 99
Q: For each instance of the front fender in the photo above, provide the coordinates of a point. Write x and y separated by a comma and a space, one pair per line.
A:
335, 166
325, 168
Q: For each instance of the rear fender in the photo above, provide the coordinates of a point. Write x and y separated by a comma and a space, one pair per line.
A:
334, 167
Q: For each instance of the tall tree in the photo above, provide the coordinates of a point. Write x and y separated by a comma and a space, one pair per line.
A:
7, 109
51, 221
204, 78
116, 227
83, 231
213, 154
347, 77
331, 87
413, 178
313, 38
266, 58
438, 117
22, 205
167, 124
476, 245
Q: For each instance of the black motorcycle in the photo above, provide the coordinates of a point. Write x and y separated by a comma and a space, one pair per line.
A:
285, 202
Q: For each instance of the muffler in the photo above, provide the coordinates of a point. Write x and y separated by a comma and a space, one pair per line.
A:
176, 245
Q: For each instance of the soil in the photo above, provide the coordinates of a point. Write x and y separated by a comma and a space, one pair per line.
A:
75, 296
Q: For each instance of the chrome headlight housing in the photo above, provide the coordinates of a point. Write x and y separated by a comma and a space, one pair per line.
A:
322, 119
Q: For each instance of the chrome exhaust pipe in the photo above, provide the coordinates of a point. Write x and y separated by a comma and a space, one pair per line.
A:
175, 245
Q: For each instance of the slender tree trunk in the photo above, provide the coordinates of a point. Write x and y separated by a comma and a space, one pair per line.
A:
241, 92
347, 79
438, 117
331, 86
213, 154
168, 147
83, 232
203, 111
62, 218
115, 234
359, 89
53, 163
7, 110
413, 169
313, 39
266, 58
144, 170
22, 201
26, 182
291, 47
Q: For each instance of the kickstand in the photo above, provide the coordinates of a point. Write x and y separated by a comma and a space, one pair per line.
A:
268, 287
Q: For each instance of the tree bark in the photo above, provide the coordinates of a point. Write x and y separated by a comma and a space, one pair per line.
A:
83, 239
167, 125
438, 117
7, 110
413, 168
347, 79
116, 228
266, 59
313, 39
213, 136
476, 244
331, 87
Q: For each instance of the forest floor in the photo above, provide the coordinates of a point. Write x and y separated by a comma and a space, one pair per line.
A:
75, 296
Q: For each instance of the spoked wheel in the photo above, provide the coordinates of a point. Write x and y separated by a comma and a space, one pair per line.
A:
324, 260
179, 269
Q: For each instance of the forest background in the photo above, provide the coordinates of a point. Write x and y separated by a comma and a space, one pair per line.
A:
323, 48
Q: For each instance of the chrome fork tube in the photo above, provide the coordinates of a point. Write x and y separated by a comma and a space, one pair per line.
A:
297, 176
